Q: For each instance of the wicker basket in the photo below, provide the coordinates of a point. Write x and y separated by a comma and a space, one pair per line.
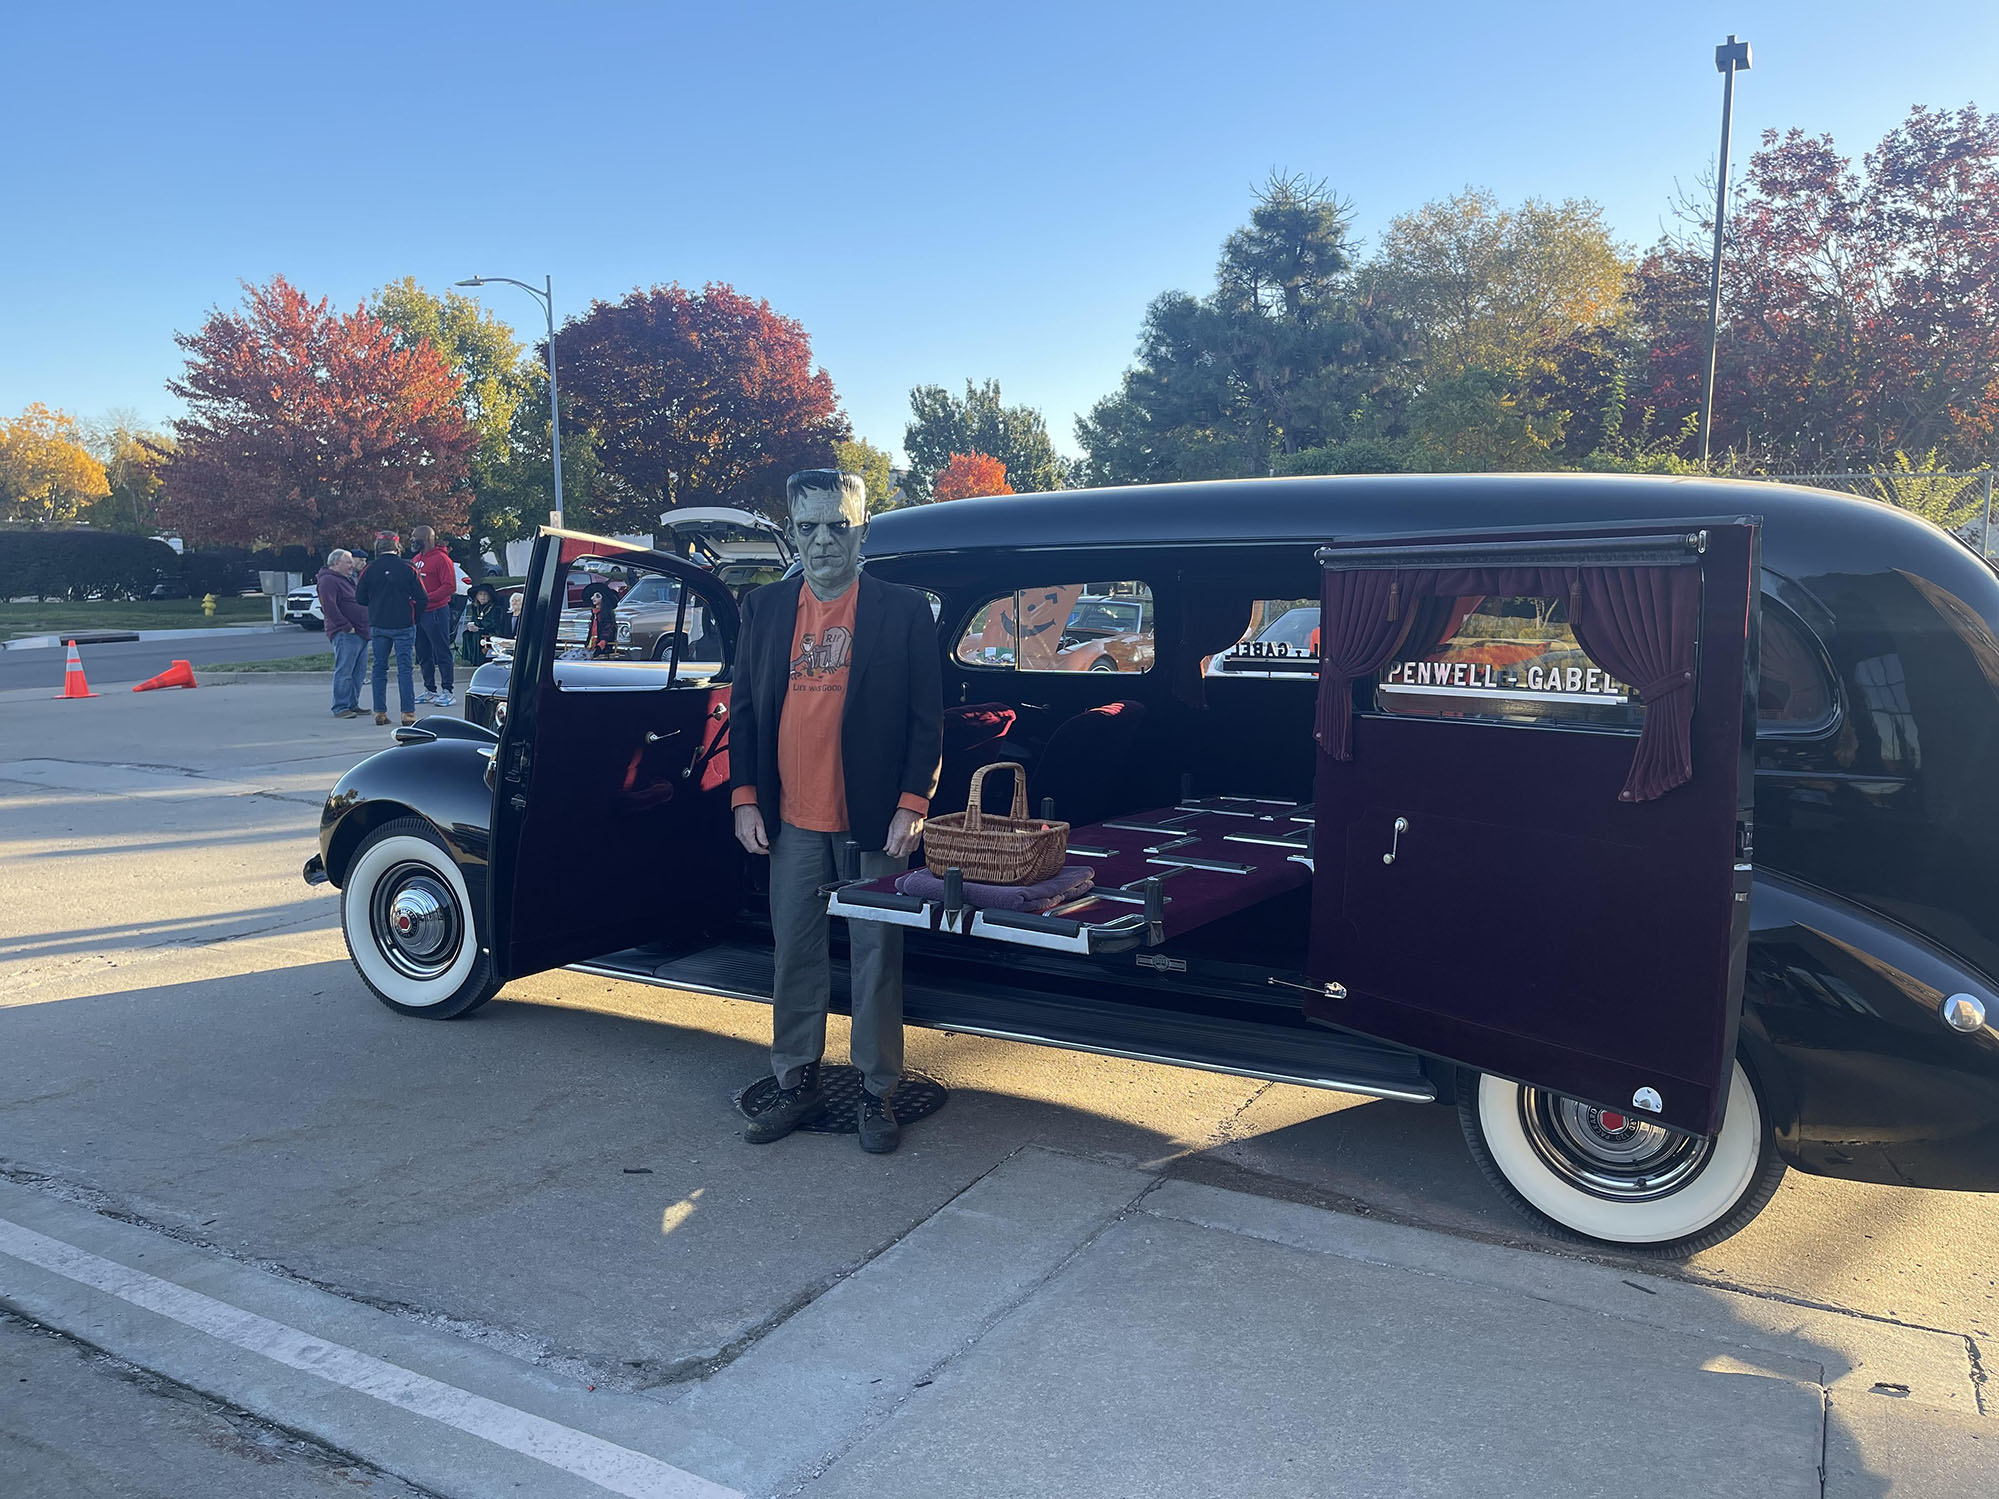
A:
1013, 850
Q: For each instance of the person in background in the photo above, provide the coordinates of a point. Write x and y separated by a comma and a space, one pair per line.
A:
461, 588
602, 601
484, 618
346, 630
395, 600
439, 575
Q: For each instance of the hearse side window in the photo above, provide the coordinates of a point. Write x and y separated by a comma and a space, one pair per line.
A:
1282, 641
1793, 694
1101, 627
1510, 659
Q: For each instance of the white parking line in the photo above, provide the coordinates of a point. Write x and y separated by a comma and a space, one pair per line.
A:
618, 1470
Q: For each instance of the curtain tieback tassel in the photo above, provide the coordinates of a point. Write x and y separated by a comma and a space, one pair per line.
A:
1679, 681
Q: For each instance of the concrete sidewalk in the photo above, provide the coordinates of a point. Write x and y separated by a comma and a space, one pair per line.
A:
1065, 1326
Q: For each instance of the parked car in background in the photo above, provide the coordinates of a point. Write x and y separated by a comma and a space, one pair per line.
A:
1107, 634
302, 608
1284, 643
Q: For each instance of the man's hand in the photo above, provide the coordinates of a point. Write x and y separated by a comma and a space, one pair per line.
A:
750, 829
905, 832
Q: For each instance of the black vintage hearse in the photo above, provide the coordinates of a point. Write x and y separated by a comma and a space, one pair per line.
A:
1651, 822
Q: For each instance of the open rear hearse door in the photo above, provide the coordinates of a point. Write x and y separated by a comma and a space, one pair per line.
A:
1533, 822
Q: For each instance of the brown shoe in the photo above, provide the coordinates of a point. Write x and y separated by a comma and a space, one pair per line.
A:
382, 720
408, 719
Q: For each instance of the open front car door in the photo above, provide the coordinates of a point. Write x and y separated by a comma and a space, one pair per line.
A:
1532, 817
611, 824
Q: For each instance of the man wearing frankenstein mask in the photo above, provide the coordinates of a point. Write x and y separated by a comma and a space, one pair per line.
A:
835, 736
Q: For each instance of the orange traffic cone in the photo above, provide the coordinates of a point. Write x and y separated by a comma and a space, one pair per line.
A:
73, 684
180, 674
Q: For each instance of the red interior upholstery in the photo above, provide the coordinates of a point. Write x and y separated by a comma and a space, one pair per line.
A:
974, 735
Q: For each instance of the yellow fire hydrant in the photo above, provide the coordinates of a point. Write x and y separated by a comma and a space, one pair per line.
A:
208, 605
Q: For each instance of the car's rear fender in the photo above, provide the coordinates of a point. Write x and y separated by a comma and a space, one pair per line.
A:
1843, 1022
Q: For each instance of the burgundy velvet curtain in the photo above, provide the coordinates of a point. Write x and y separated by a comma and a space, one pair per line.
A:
1361, 626
1637, 623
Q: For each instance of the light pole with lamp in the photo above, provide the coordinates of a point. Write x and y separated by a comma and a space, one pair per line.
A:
1728, 57
545, 296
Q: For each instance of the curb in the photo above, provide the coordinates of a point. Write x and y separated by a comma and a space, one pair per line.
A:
54, 642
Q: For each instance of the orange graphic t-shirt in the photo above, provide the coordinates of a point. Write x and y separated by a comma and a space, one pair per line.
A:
812, 790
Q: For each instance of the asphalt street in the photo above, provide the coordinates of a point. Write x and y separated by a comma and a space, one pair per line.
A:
234, 1190
125, 662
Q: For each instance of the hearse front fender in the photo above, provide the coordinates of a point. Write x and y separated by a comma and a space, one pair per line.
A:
443, 781
1845, 1023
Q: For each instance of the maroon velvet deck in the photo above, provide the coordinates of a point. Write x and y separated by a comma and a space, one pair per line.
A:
1255, 839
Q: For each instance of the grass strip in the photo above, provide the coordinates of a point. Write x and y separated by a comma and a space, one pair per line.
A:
321, 662
28, 618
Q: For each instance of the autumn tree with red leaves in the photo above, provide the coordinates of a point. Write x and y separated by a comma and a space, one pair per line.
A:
967, 475
306, 426
1860, 308
694, 398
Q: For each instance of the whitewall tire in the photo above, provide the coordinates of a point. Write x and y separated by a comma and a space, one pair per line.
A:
1614, 1179
410, 930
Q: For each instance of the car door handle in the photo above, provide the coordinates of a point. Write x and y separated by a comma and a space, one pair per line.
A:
1395, 843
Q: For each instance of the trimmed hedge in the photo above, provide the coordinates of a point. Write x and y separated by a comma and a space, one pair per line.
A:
81, 564
222, 571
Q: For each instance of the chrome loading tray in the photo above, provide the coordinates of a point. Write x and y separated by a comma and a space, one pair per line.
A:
1158, 874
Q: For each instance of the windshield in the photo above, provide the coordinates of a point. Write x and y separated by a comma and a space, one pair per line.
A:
653, 590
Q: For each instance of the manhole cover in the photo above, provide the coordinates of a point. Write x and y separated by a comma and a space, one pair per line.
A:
915, 1097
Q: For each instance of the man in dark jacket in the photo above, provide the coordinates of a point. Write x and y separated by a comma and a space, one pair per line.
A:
834, 736
346, 630
394, 598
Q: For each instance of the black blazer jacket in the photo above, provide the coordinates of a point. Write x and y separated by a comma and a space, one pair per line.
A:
890, 739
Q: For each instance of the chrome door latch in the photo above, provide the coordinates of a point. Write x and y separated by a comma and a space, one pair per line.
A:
1395, 844
1327, 990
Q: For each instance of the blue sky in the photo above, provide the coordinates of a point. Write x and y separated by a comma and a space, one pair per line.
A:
937, 192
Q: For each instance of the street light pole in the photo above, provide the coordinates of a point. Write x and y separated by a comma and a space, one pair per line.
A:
1728, 57
545, 296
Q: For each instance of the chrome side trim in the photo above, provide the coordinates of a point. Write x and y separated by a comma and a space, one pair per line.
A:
1427, 1094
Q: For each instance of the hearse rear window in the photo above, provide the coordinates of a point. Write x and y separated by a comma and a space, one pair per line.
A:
1513, 659
1101, 627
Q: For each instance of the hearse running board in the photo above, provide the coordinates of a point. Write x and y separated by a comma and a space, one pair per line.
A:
1311, 1057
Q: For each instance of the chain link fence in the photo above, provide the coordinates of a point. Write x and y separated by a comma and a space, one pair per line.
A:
1959, 500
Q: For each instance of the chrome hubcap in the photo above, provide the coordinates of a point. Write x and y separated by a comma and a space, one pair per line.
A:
416, 921
1609, 1153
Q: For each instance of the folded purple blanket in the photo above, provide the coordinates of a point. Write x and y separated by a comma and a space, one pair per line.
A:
1072, 880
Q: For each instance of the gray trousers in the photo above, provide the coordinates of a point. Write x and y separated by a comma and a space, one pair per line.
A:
800, 862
